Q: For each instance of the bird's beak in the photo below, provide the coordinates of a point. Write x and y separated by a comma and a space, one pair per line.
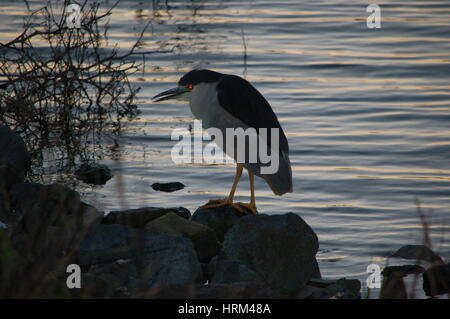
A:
170, 94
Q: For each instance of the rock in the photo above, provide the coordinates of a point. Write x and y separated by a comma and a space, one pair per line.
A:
95, 174
168, 187
8, 177
122, 279
16, 195
205, 271
59, 209
312, 292
345, 289
138, 218
230, 270
417, 252
324, 289
4, 202
436, 280
47, 226
169, 260
14, 158
211, 268
277, 250
119, 279
204, 239
316, 271
220, 219
393, 286
160, 259
14, 165
6, 263
106, 244
403, 270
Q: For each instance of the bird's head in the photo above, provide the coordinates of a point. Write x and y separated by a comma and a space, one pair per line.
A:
187, 84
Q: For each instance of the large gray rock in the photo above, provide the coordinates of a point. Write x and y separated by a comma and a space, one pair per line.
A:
106, 244
47, 224
227, 269
138, 218
169, 260
158, 259
119, 279
14, 158
204, 239
220, 219
277, 250
126, 278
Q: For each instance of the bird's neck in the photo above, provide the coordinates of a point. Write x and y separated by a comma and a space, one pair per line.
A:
203, 102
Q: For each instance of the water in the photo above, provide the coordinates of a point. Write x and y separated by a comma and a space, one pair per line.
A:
366, 112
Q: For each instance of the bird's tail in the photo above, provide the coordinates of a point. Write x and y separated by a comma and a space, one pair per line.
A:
281, 181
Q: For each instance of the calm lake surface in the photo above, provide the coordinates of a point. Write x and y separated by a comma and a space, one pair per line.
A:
366, 113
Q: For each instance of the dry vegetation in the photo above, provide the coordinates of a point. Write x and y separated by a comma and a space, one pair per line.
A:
62, 87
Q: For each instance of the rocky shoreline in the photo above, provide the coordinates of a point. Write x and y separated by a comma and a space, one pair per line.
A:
155, 252
148, 252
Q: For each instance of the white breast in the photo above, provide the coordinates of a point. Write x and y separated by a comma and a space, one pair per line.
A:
205, 106
204, 103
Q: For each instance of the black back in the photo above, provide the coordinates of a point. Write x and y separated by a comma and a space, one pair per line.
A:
243, 101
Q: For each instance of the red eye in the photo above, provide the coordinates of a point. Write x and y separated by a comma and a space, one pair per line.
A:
190, 86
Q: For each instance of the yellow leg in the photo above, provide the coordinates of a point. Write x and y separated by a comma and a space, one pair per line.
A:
252, 188
252, 205
229, 200
239, 169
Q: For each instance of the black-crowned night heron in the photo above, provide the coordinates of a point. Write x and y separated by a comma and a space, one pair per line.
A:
224, 101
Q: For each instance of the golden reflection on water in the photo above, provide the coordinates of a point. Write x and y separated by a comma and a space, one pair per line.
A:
330, 88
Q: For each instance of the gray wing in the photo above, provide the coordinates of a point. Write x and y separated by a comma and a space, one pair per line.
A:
242, 100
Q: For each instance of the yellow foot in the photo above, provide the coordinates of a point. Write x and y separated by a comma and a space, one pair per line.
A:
251, 207
224, 202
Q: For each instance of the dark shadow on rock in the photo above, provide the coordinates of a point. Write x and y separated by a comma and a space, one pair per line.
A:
138, 218
220, 219
277, 250
138, 259
204, 238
